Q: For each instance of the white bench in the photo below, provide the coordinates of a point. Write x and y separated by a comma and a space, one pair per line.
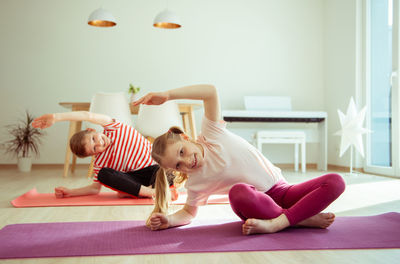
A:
285, 137
278, 103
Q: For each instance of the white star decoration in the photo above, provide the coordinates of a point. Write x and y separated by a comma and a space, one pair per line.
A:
352, 129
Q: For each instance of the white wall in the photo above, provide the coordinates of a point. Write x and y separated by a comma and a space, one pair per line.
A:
254, 47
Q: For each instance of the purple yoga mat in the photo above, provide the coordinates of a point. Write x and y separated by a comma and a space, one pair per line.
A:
132, 237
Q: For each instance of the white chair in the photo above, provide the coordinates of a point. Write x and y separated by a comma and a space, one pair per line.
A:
285, 137
155, 120
278, 103
115, 105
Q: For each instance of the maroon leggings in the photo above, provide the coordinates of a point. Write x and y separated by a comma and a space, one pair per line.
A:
298, 202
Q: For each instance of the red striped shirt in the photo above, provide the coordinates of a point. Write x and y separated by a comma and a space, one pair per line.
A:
128, 150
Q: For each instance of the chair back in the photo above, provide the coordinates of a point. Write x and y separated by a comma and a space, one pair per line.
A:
155, 120
114, 105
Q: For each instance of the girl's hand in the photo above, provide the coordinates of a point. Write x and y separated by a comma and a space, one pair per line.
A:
61, 192
44, 121
153, 99
158, 221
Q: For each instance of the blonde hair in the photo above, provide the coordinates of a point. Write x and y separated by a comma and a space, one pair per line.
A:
163, 195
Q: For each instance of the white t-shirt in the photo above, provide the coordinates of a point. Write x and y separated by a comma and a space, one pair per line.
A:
229, 159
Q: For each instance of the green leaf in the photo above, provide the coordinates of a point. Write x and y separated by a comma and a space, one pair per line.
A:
25, 139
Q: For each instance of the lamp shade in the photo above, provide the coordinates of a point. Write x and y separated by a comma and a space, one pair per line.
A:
155, 120
101, 18
167, 19
114, 105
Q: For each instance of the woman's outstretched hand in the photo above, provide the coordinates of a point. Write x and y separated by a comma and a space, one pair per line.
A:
44, 121
153, 99
158, 221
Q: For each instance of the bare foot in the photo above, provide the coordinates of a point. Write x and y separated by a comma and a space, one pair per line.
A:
321, 220
265, 226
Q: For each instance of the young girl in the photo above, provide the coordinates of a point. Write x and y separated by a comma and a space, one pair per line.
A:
122, 155
220, 162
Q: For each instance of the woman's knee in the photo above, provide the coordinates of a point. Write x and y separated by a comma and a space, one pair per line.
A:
240, 192
336, 183
247, 202
240, 198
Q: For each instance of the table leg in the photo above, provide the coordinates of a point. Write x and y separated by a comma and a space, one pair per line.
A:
185, 122
296, 156
90, 171
323, 144
303, 156
77, 129
72, 129
192, 123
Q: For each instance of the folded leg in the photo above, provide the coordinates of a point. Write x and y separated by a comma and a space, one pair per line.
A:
298, 202
127, 182
309, 198
247, 202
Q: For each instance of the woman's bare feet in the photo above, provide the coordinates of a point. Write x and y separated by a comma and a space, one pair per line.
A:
264, 226
321, 220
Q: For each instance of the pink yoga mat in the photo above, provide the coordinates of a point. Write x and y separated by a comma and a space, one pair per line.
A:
132, 237
34, 199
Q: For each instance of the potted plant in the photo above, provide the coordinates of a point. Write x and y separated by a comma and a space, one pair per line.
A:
133, 90
24, 142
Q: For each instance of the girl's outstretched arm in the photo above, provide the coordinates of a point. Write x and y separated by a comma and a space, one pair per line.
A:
182, 217
48, 120
91, 189
207, 93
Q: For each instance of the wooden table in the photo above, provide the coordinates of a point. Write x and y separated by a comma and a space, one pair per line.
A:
186, 110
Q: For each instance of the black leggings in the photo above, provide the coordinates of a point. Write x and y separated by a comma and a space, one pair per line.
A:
128, 182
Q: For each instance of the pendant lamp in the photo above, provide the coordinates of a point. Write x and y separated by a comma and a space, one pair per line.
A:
167, 19
101, 18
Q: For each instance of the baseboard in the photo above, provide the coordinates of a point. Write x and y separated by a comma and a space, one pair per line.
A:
331, 167
279, 165
41, 166
291, 166
343, 168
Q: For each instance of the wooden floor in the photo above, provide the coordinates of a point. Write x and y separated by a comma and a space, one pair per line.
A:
364, 195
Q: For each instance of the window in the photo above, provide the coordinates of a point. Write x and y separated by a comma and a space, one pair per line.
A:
381, 84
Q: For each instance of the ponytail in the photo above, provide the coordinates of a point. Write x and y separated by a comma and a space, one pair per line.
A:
163, 194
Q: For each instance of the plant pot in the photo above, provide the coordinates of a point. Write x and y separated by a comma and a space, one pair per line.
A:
134, 97
24, 164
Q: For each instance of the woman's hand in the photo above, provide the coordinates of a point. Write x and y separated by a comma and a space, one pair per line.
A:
44, 121
153, 99
158, 221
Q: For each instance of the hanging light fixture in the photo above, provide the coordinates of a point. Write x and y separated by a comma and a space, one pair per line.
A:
101, 18
167, 19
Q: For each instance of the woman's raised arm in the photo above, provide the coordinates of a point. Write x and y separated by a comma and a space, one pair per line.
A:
205, 92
